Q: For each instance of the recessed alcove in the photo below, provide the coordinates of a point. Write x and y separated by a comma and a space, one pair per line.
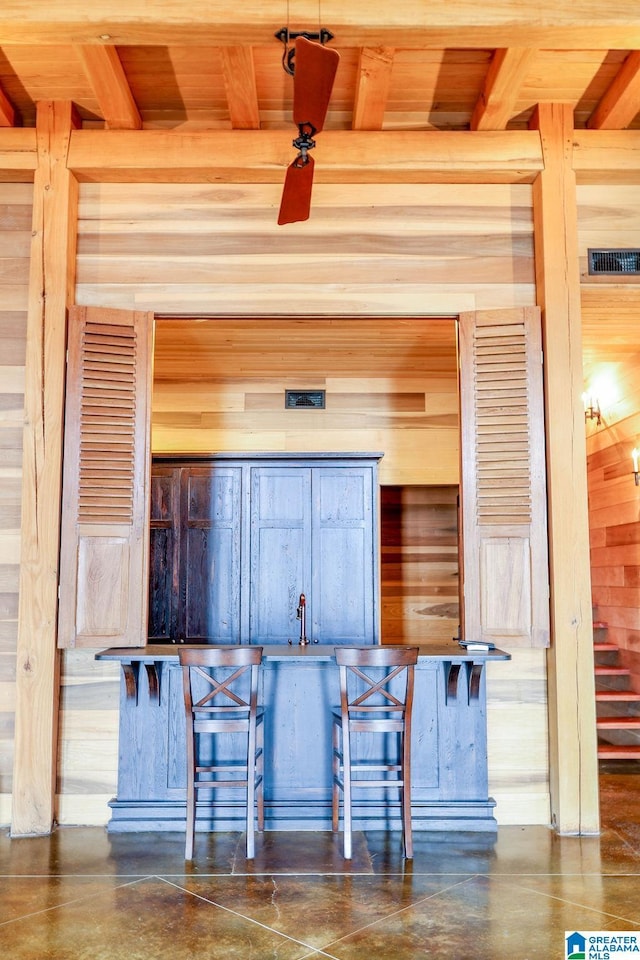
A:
390, 385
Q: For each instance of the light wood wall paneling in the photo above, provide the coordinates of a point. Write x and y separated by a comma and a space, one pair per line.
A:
574, 770
518, 754
15, 238
88, 744
409, 250
51, 286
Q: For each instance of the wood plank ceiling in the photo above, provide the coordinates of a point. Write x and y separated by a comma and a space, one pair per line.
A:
405, 67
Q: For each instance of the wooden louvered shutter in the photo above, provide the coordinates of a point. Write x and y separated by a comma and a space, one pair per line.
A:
504, 518
105, 493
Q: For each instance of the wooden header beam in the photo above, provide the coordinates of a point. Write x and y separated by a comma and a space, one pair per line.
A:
432, 156
18, 154
341, 156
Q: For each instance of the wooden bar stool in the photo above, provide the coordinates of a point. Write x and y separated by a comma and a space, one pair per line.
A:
376, 697
220, 698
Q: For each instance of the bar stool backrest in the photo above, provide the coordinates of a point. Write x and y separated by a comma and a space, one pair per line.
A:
378, 696
220, 695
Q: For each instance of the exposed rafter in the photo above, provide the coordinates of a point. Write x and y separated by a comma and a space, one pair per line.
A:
621, 102
7, 113
240, 86
372, 89
110, 86
496, 103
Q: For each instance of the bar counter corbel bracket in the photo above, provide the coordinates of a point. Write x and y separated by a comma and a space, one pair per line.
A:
473, 673
131, 673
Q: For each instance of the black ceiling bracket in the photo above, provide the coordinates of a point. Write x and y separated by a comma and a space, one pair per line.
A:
286, 36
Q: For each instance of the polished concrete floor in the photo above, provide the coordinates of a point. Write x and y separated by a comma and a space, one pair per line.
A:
82, 893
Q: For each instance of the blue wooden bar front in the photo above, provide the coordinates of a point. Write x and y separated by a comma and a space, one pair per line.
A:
300, 686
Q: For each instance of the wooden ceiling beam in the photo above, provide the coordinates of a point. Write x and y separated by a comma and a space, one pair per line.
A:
18, 154
111, 88
599, 156
621, 102
372, 90
341, 156
240, 86
606, 156
497, 103
564, 24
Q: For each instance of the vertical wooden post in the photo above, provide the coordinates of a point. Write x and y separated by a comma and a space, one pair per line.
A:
51, 289
572, 729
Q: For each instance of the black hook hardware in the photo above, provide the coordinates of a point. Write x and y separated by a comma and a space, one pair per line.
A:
285, 36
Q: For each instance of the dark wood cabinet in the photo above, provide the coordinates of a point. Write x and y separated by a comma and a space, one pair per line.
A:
235, 542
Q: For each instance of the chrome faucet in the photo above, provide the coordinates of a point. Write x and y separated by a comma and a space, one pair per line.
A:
301, 615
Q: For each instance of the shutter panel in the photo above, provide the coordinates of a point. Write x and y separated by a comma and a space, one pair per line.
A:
104, 545
504, 516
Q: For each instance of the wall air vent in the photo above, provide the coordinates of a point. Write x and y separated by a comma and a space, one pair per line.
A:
614, 262
304, 399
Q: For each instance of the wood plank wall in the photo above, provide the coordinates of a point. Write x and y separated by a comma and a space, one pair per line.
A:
15, 238
214, 250
400, 250
419, 563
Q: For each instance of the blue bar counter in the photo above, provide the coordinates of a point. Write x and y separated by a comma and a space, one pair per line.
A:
300, 686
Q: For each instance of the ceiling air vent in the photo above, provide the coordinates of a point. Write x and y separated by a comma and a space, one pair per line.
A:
614, 261
304, 399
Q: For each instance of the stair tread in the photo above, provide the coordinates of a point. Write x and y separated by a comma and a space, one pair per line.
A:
617, 695
606, 669
621, 722
603, 645
600, 625
610, 751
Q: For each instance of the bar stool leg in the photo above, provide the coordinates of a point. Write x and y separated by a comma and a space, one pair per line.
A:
406, 794
335, 771
191, 801
346, 780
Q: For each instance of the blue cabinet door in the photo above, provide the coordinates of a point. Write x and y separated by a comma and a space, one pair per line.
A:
343, 589
312, 533
210, 555
280, 551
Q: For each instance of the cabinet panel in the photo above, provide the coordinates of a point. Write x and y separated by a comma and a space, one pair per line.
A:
210, 554
280, 551
344, 561
163, 565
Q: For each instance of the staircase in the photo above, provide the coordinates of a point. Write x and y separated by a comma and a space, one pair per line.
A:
617, 705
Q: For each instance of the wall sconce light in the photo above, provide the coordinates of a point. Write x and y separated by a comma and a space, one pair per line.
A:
591, 408
634, 456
